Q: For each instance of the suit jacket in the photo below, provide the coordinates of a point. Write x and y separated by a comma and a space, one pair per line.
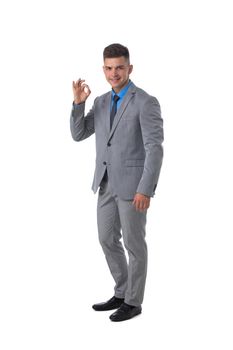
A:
132, 150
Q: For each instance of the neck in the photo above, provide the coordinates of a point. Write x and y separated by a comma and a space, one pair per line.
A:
118, 90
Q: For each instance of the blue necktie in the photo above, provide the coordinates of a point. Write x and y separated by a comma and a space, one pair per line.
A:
113, 110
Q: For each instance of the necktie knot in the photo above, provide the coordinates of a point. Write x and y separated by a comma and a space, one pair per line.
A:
116, 98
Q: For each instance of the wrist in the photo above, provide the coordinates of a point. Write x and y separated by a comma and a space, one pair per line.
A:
77, 101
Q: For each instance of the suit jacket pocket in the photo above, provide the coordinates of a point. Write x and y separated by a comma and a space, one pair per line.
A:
134, 162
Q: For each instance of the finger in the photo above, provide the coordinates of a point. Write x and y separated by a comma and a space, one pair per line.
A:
77, 81
138, 205
142, 205
135, 203
86, 89
84, 86
75, 84
147, 204
80, 82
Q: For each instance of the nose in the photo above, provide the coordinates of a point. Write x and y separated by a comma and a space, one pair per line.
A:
115, 72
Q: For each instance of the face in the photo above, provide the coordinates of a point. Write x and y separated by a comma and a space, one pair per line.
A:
117, 71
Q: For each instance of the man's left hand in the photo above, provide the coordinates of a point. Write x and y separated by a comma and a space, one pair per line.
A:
141, 202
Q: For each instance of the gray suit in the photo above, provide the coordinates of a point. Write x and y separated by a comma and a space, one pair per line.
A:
132, 154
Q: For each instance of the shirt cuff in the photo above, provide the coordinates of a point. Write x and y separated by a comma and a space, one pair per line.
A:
76, 106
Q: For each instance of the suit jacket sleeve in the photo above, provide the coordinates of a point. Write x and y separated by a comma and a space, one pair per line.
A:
81, 126
152, 135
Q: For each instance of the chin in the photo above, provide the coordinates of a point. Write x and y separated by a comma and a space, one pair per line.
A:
116, 86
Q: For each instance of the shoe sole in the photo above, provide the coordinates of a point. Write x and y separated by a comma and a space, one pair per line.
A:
126, 319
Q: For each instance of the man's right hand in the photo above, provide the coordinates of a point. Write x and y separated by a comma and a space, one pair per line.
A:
81, 91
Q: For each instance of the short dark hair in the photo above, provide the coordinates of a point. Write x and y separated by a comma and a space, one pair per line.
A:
116, 50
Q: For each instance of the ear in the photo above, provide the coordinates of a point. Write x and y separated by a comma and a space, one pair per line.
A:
130, 69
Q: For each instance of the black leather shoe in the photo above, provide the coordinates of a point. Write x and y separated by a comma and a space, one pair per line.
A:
111, 304
125, 312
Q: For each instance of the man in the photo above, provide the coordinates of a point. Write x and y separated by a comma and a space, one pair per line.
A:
129, 133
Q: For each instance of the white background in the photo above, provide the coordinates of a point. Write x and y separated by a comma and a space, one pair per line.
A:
52, 267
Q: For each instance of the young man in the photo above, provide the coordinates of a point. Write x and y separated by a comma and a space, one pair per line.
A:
129, 133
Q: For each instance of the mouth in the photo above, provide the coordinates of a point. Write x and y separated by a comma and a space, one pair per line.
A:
115, 80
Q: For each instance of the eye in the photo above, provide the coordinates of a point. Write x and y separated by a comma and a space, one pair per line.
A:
119, 68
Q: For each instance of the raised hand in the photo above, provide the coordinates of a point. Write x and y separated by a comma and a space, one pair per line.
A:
81, 91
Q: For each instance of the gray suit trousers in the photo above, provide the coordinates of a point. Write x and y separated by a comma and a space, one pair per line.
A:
117, 218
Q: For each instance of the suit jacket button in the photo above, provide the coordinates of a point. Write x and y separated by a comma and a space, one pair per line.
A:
104, 163
109, 144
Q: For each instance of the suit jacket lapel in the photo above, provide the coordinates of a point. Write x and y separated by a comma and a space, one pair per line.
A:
106, 105
129, 95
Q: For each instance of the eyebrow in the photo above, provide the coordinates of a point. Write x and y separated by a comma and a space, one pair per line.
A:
120, 66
